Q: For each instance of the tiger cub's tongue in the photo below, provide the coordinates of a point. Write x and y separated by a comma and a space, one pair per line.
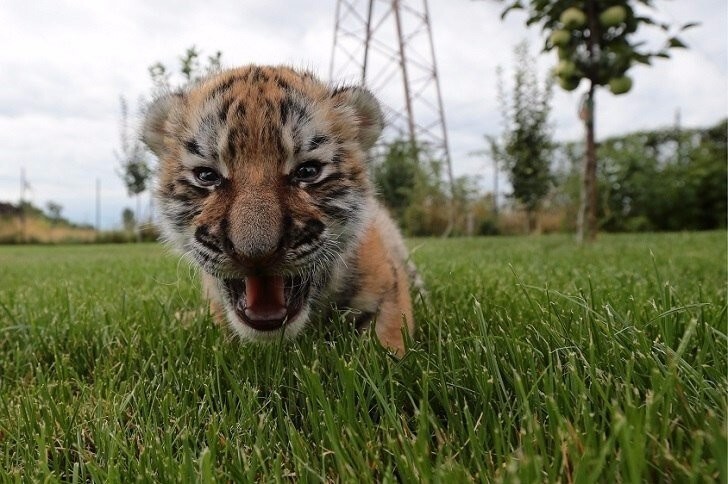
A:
264, 297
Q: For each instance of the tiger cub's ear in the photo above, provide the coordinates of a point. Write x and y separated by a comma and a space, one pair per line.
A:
369, 117
155, 127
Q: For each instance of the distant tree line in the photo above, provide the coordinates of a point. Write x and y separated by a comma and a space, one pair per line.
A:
411, 183
52, 214
658, 180
665, 179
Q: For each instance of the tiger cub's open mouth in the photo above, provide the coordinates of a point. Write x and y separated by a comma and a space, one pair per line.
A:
267, 302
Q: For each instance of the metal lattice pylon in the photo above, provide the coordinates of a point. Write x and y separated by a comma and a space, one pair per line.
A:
384, 42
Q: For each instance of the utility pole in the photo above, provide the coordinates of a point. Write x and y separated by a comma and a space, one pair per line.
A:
24, 185
678, 136
98, 205
380, 42
494, 157
495, 187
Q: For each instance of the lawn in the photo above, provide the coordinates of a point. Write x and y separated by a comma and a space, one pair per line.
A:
534, 360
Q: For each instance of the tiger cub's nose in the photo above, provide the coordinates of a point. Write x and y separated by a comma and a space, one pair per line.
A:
253, 236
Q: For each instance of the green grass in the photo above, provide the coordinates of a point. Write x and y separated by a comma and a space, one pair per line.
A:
534, 360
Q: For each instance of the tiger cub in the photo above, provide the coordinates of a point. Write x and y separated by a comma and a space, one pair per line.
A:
263, 183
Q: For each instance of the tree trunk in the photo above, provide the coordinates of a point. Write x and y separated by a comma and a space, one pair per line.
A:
138, 219
531, 221
586, 224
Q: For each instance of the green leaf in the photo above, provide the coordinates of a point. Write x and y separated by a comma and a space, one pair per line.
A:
676, 43
645, 20
514, 6
532, 20
642, 59
689, 25
546, 46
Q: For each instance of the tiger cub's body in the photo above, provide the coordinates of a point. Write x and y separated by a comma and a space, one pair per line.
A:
263, 183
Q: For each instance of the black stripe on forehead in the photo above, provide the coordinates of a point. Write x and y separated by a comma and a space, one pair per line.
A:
203, 142
285, 110
192, 146
254, 74
238, 128
224, 86
258, 75
240, 110
282, 83
222, 112
294, 111
226, 111
232, 110
236, 138
318, 141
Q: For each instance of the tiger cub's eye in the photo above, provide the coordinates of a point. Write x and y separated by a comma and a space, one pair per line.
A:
207, 177
307, 172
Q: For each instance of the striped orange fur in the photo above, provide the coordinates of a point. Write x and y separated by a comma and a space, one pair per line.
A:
263, 183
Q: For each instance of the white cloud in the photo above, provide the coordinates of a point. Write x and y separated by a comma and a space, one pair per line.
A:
66, 63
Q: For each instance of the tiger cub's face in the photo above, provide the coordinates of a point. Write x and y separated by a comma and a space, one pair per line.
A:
263, 183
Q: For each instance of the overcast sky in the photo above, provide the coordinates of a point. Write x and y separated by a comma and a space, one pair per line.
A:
64, 64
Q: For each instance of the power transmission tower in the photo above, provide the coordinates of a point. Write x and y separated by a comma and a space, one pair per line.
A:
98, 205
24, 187
382, 42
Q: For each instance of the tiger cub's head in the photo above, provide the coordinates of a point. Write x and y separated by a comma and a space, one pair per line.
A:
263, 183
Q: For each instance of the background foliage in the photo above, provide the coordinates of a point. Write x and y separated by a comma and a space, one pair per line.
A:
525, 148
595, 41
659, 180
666, 179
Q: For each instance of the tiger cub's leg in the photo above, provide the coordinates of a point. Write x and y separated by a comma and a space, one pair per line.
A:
383, 289
210, 292
394, 313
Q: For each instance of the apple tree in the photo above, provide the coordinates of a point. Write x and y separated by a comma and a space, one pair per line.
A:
595, 41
